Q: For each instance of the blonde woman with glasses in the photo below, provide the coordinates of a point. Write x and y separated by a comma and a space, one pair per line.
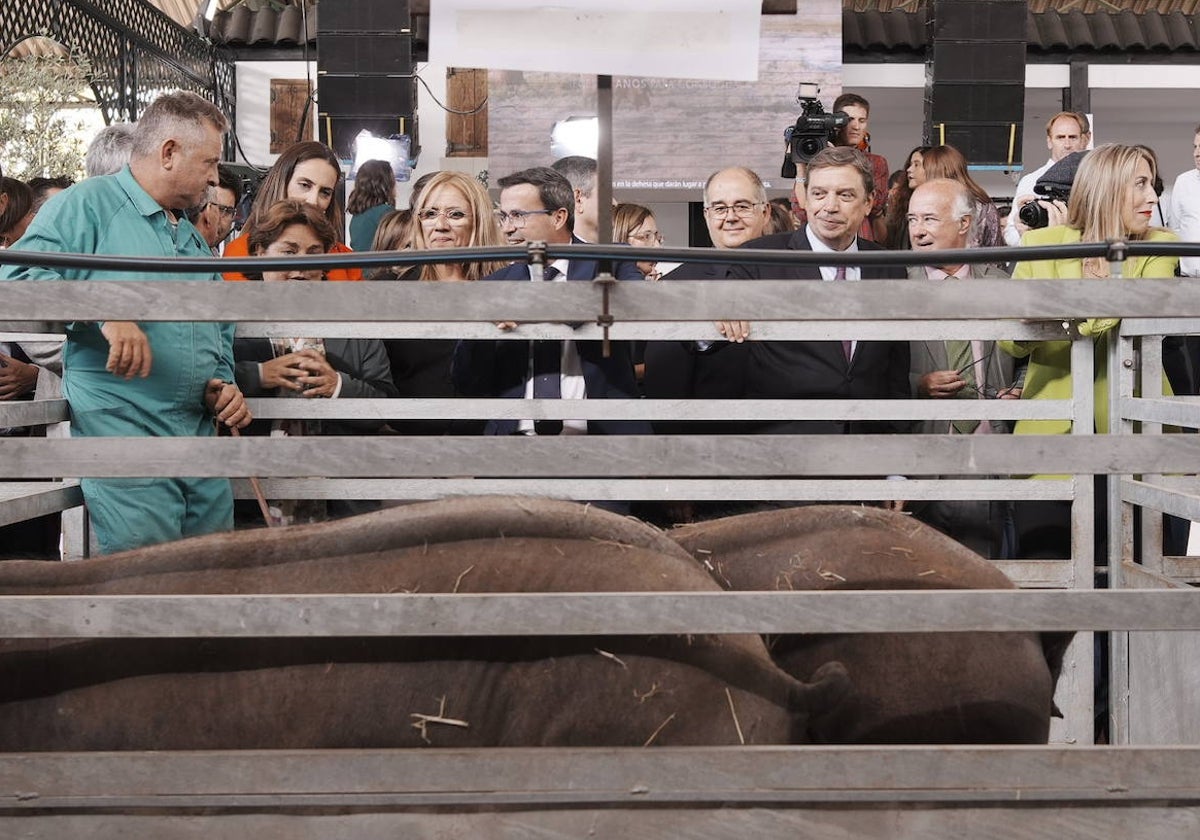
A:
454, 211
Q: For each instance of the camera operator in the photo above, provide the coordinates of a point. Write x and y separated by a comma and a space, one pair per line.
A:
1066, 132
855, 135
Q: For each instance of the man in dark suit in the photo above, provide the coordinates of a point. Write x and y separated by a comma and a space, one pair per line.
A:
735, 211
839, 190
538, 205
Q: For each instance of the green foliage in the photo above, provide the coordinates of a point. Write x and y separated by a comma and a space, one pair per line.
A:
42, 129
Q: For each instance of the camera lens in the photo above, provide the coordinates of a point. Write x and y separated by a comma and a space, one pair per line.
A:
1034, 215
809, 146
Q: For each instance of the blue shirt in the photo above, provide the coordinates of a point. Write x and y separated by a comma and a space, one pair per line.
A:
113, 214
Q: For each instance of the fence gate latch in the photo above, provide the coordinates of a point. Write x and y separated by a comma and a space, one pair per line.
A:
605, 319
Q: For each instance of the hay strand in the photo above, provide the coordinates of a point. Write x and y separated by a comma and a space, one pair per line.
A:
661, 727
736, 724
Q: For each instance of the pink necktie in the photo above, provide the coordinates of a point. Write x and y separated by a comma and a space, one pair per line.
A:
847, 345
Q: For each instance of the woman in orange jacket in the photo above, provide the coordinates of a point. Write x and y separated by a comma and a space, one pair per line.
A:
307, 171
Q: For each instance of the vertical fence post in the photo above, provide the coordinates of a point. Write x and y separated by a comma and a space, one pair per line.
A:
1121, 375
1079, 665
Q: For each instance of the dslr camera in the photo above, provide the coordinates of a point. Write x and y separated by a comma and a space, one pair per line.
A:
1034, 215
814, 129
1054, 185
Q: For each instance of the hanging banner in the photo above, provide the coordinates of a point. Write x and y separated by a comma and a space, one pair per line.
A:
680, 39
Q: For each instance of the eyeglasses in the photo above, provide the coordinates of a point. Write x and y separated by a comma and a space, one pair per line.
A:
990, 392
981, 360
517, 218
452, 215
225, 209
646, 237
742, 209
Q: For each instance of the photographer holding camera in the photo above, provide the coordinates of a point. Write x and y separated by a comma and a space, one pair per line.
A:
1112, 197
1066, 132
846, 126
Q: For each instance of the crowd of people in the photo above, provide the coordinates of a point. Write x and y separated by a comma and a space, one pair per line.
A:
156, 188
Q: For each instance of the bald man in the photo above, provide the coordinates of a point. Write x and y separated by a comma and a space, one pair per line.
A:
940, 219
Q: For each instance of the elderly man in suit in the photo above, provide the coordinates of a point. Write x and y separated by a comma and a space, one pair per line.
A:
939, 219
839, 187
537, 205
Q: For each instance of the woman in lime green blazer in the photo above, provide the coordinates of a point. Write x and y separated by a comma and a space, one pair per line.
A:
1112, 198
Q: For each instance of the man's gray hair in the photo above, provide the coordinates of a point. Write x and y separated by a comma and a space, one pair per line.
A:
176, 115
963, 203
579, 170
109, 150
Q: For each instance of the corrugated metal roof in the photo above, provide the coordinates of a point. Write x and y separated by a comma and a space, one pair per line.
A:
887, 26
1161, 7
285, 27
883, 26
1049, 31
279, 23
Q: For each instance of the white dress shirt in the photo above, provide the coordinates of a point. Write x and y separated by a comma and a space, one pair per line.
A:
1185, 216
1024, 187
571, 379
829, 272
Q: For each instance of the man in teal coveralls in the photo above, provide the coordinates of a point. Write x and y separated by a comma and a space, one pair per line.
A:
149, 379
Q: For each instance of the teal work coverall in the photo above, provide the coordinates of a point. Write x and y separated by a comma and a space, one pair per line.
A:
112, 214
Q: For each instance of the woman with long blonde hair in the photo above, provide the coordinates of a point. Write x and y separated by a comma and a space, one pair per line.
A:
1113, 197
453, 211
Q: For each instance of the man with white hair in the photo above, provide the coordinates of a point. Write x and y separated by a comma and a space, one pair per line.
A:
939, 219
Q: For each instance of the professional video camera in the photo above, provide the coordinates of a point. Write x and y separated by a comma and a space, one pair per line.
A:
1054, 185
814, 129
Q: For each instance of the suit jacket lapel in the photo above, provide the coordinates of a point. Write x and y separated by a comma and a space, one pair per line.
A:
582, 269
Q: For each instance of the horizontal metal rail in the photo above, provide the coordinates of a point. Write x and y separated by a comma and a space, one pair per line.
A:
682, 489
761, 330
54, 411
33, 413
1159, 326
558, 614
1172, 411
23, 500
702, 776
1048, 330
736, 456
762, 300
542, 252
749, 410
1173, 501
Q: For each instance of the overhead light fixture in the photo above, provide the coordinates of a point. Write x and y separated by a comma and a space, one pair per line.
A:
575, 136
395, 149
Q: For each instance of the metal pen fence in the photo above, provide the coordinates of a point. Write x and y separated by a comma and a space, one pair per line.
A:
798, 792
